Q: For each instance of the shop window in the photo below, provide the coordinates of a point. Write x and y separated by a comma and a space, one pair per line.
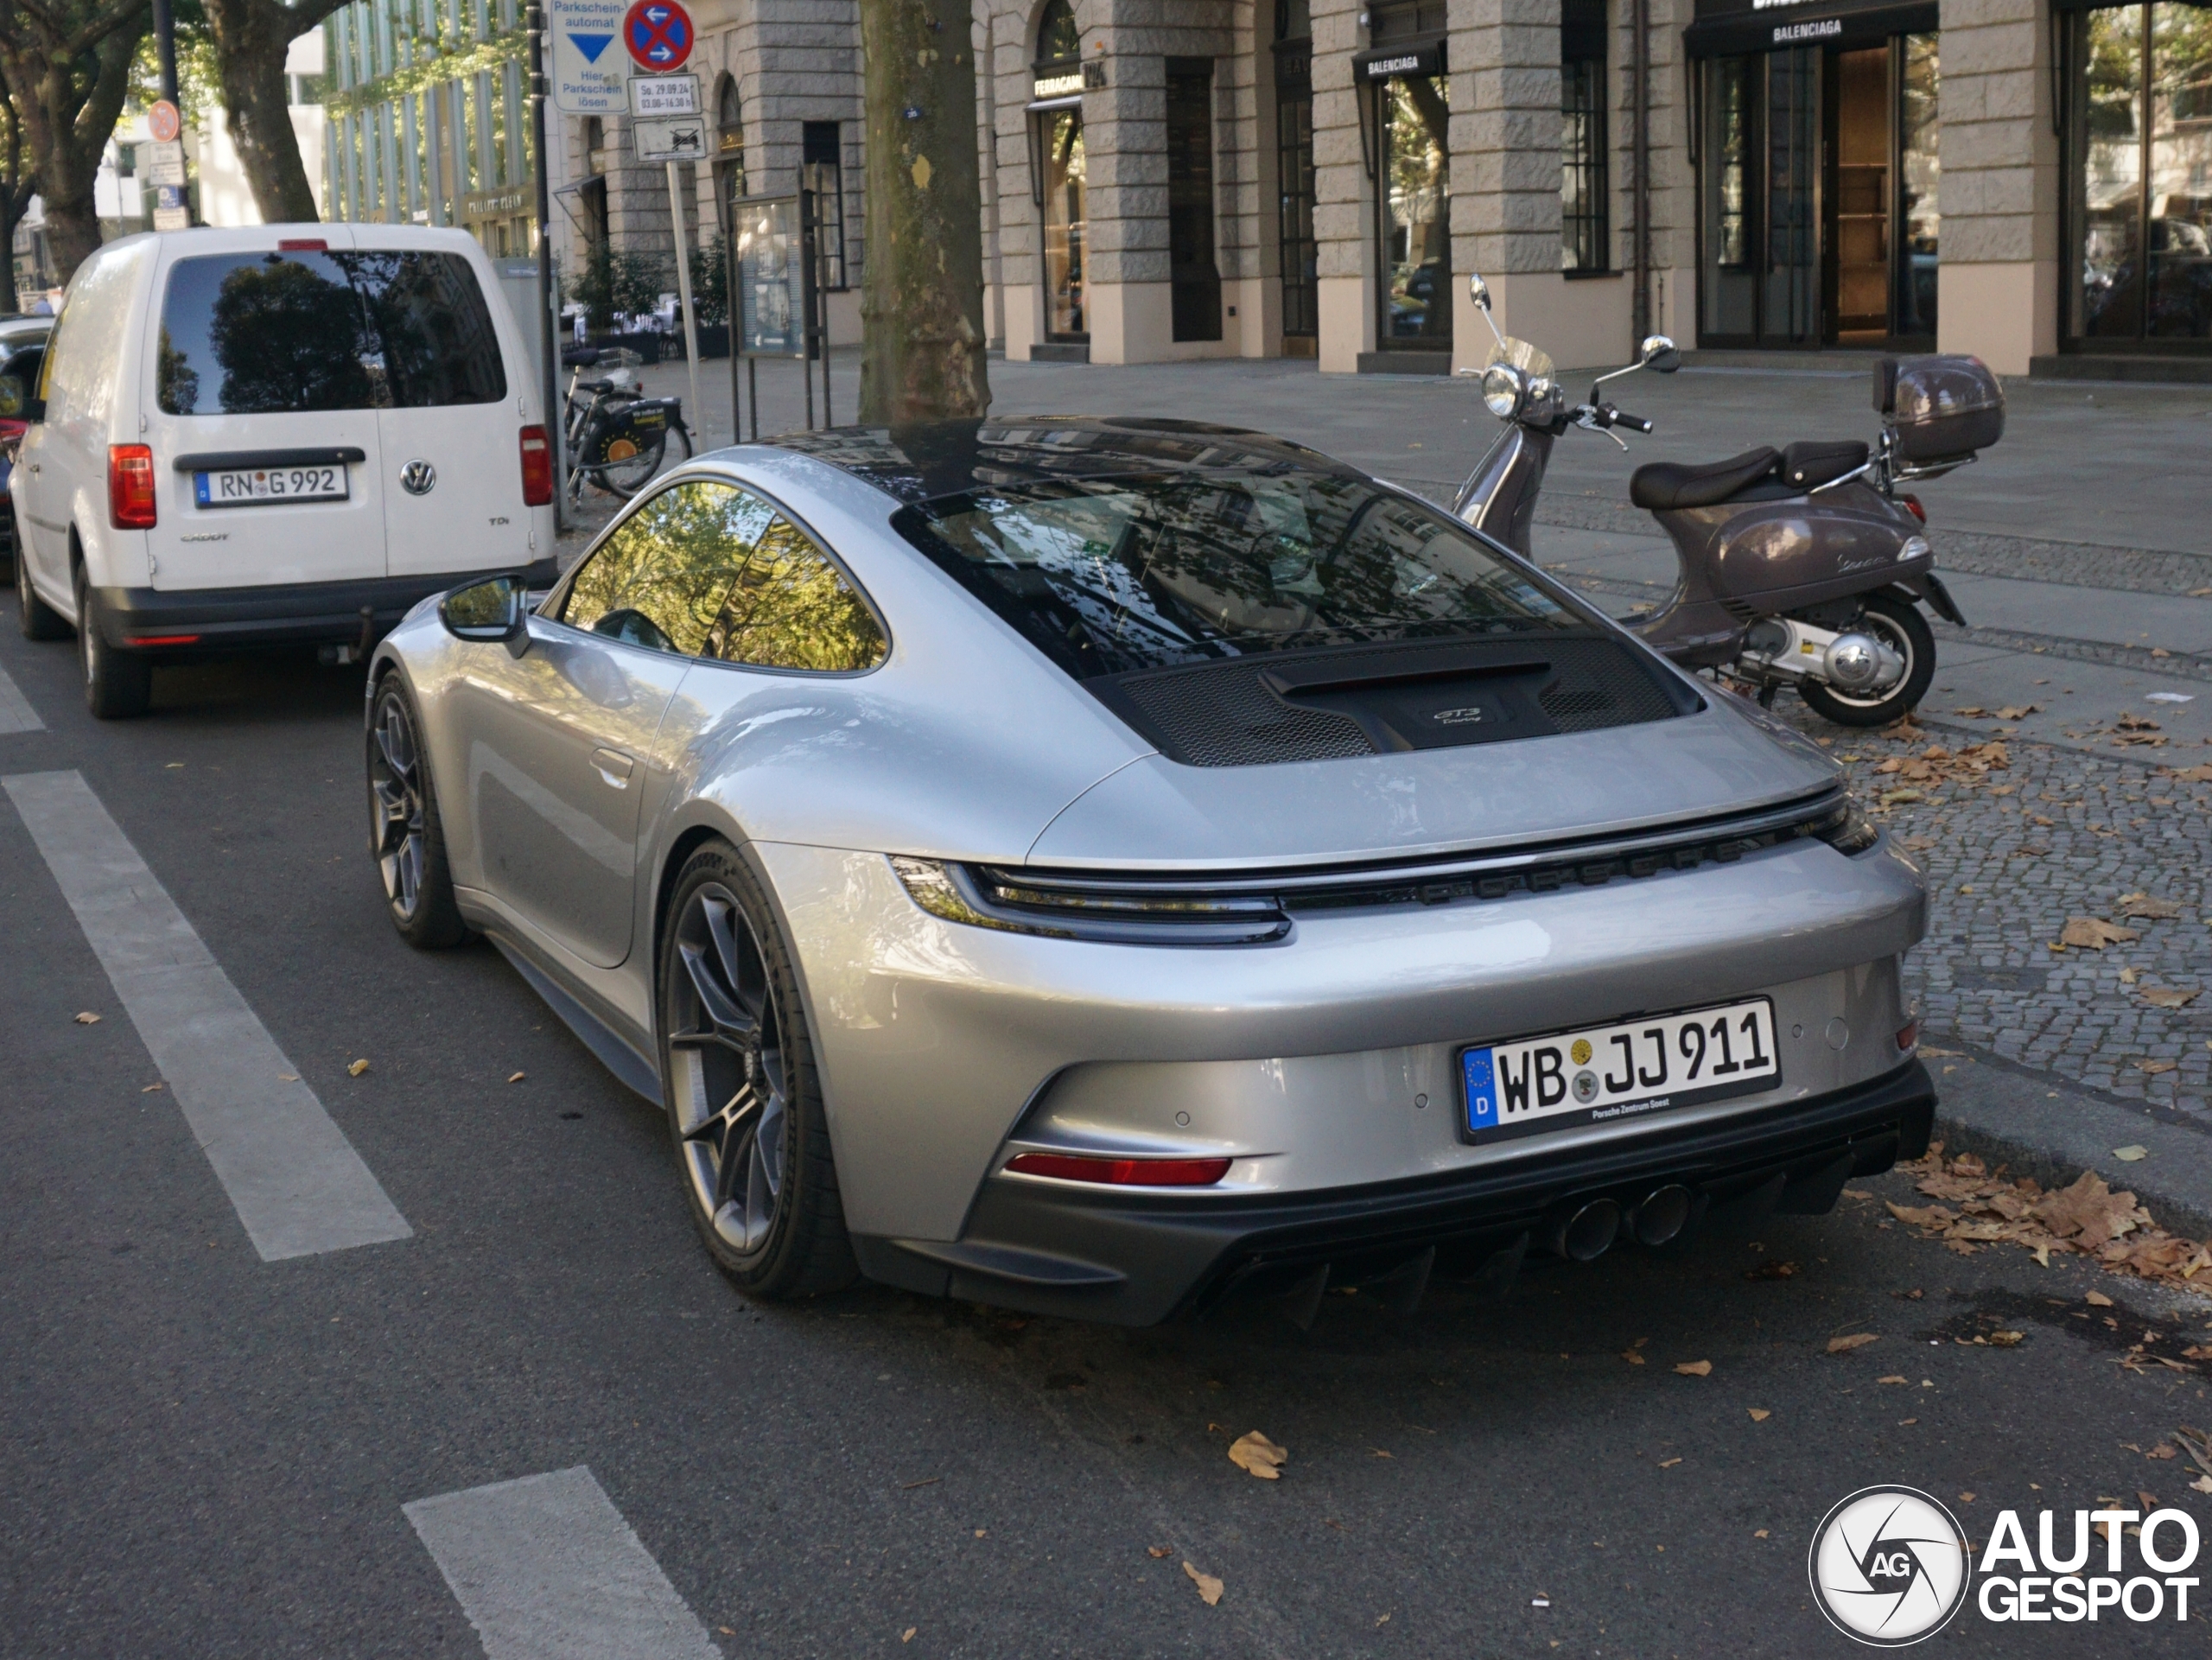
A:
1413, 117
822, 170
1196, 280
2139, 176
1297, 252
1059, 171
1583, 241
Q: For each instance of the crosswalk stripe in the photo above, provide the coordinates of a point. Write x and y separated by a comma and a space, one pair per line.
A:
16, 713
546, 1568
299, 1186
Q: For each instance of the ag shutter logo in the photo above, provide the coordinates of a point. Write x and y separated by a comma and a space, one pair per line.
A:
1889, 1566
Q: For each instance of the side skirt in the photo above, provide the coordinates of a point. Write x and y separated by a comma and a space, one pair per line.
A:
615, 1054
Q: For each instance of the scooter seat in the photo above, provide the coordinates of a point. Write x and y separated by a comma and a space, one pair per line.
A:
1661, 485
1808, 467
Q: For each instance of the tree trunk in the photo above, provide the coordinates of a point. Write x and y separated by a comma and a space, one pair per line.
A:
921, 288
250, 39
67, 123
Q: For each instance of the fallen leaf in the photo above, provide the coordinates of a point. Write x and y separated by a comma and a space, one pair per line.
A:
1255, 1454
151, 1088
2155, 1067
1380, 1454
1632, 1356
2018, 711
2006, 1339
2193, 774
2130, 721
518, 1078
1856, 1340
1771, 1271
1893, 1380
2146, 904
88, 1019
1894, 798
2095, 933
1156, 1551
1903, 1423
1971, 711
2131, 1154
2162, 1451
907, 1636
2169, 997
1209, 1587
1667, 1464
1759, 1415
356, 1068
2202, 1485
1966, 1499
1761, 1534
2098, 1300
1695, 1369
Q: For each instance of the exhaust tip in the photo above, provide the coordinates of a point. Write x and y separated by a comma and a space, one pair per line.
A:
1662, 1214
1584, 1235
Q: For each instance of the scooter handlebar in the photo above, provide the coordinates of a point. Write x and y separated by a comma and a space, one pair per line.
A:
1621, 418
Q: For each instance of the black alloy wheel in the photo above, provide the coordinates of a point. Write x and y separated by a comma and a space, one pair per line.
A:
404, 834
744, 1105
1896, 621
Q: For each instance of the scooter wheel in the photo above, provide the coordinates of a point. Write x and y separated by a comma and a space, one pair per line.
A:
1897, 622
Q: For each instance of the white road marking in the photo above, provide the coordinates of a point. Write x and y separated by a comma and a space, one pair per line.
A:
16, 713
546, 1568
298, 1185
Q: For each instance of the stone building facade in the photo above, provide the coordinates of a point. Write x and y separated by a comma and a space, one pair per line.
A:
2027, 179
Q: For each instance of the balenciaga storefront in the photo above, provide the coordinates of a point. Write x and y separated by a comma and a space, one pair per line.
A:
1817, 136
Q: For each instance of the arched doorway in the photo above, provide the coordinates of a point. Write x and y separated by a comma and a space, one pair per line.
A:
729, 152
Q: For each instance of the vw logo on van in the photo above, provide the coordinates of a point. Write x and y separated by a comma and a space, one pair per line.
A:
418, 478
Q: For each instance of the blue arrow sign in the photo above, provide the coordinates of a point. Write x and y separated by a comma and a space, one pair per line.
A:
590, 45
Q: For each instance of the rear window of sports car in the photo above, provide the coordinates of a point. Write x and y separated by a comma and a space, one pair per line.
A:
1113, 575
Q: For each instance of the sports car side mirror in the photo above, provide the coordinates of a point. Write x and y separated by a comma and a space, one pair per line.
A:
490, 612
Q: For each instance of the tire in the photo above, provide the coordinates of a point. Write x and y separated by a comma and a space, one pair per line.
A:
1897, 622
118, 686
626, 477
745, 1101
405, 837
38, 619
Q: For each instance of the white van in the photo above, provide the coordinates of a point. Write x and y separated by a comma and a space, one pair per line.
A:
280, 435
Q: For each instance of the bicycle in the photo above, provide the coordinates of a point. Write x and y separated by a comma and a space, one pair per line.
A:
617, 438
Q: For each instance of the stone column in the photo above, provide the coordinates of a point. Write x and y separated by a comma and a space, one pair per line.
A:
1997, 294
1344, 192
1505, 174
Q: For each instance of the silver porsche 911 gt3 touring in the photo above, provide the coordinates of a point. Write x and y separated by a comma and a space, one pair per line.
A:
1098, 866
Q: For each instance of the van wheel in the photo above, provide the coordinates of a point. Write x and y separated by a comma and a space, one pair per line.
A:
118, 687
38, 619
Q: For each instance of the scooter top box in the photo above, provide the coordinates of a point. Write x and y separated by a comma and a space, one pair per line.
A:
1940, 408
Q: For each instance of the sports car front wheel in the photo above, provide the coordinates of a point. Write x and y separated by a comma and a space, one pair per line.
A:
405, 835
744, 1106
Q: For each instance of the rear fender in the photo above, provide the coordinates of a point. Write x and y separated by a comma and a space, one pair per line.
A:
1928, 587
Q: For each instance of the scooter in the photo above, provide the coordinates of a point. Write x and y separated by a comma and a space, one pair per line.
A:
1800, 567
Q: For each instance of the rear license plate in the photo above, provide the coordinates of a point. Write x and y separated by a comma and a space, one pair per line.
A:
263, 486
1604, 1074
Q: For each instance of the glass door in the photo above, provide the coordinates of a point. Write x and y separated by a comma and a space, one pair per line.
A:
1415, 204
1297, 252
1065, 318
2139, 139
1790, 297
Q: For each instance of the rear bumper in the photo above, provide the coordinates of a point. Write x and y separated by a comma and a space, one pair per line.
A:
1134, 1260
220, 619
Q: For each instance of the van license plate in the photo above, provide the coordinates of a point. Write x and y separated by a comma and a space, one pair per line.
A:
262, 487
1606, 1073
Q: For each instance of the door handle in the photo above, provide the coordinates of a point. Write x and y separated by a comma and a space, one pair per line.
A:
615, 766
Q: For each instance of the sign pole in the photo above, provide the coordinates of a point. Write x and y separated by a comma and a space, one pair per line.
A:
555, 424
683, 291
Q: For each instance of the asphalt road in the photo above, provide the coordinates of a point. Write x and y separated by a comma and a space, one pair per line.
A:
205, 1453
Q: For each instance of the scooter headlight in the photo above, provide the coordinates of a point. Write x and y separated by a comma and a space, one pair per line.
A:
1504, 389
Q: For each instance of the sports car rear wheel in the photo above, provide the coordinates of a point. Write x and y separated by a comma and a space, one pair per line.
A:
404, 834
744, 1106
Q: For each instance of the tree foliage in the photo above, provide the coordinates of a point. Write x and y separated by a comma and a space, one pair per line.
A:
66, 66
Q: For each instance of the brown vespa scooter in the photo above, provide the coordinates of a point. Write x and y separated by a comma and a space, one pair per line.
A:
1800, 567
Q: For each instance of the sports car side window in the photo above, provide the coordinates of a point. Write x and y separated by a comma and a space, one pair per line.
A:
660, 579
791, 607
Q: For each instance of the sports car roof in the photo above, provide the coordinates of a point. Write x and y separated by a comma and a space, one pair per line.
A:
943, 458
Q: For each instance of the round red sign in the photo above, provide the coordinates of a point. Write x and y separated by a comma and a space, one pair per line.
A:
163, 123
657, 35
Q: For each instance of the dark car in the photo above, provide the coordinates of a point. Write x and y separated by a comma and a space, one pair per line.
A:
22, 353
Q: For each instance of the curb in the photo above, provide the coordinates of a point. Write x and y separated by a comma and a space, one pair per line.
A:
2042, 1127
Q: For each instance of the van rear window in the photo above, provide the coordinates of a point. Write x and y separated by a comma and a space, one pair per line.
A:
283, 334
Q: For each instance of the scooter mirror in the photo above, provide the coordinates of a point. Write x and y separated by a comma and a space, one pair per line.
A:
1478, 290
1659, 354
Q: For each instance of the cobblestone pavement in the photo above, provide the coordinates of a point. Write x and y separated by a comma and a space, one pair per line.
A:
2011, 856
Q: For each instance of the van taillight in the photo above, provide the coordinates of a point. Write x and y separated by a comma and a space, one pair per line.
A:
130, 486
536, 467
